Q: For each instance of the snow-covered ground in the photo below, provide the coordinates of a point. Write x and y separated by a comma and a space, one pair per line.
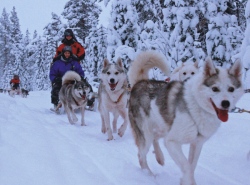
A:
38, 147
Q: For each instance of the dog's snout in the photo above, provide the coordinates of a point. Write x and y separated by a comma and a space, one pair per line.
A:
112, 80
225, 104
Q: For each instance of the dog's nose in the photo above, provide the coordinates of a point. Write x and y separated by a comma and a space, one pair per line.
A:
225, 104
112, 80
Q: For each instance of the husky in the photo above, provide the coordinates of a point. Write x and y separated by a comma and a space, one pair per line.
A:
12, 92
185, 71
73, 95
24, 93
187, 112
112, 94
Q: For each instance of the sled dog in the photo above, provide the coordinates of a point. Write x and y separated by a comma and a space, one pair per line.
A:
12, 92
24, 93
73, 95
112, 94
187, 112
185, 71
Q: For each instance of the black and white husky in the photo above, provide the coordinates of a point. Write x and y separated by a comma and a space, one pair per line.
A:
180, 112
112, 94
73, 95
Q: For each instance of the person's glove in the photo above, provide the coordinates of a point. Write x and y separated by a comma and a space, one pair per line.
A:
57, 80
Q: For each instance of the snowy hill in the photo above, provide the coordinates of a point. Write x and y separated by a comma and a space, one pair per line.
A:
38, 147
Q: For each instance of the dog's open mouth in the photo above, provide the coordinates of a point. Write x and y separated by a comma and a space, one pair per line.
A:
83, 96
222, 114
112, 86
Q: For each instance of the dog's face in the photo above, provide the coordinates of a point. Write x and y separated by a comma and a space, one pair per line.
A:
221, 89
188, 70
82, 89
113, 75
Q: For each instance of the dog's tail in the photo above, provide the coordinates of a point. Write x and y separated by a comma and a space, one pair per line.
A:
70, 76
144, 62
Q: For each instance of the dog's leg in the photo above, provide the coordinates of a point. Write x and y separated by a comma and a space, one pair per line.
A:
75, 119
106, 122
82, 114
123, 127
114, 124
158, 153
104, 129
194, 152
143, 148
175, 151
67, 110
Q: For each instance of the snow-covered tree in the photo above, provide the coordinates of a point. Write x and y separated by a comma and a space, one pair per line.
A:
5, 48
182, 37
82, 15
96, 51
245, 49
124, 27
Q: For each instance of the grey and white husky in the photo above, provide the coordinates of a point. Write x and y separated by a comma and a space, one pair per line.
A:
179, 112
112, 94
73, 95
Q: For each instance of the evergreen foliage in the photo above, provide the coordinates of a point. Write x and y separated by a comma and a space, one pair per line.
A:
182, 30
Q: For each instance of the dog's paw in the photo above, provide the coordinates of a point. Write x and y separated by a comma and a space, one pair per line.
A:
75, 119
122, 130
104, 130
83, 124
110, 138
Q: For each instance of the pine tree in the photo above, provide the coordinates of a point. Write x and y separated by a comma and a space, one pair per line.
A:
183, 36
54, 31
5, 48
125, 29
219, 39
97, 42
82, 15
17, 51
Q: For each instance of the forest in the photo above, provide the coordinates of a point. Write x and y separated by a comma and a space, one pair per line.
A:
182, 30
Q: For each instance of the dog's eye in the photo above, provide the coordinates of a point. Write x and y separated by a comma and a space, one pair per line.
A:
184, 73
108, 73
116, 73
230, 89
215, 89
192, 73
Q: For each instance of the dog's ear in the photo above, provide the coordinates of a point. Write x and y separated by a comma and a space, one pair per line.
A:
196, 63
105, 62
236, 69
209, 68
119, 62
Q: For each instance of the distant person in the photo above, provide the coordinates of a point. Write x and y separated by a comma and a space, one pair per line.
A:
70, 40
15, 82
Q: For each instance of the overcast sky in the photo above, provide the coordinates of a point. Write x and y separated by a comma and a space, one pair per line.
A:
36, 14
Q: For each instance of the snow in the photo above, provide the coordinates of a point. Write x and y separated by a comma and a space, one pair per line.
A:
42, 148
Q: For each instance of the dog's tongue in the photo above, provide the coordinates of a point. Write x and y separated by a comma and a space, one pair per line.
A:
222, 115
112, 86
83, 97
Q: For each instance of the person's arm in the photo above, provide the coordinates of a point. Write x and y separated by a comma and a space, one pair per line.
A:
59, 51
78, 69
53, 72
80, 51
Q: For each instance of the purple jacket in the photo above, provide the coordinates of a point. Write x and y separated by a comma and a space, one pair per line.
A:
60, 67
